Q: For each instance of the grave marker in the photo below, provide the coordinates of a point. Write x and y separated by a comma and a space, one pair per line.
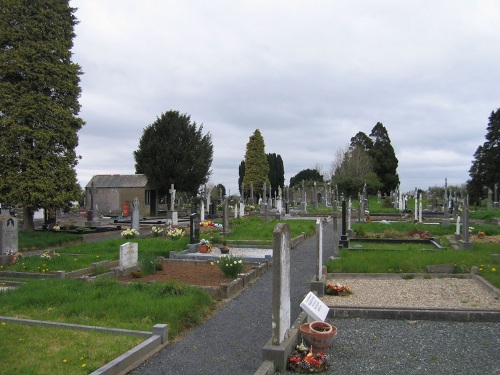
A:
129, 255
134, 219
172, 213
314, 307
8, 234
281, 316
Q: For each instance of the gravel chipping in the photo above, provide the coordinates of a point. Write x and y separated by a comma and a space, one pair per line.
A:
442, 293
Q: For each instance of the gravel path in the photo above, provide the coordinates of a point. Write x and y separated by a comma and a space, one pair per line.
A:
231, 342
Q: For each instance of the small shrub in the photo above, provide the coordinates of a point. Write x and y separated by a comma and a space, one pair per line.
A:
387, 203
149, 264
230, 265
360, 231
390, 233
173, 288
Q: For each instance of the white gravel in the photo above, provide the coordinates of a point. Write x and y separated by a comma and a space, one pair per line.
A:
438, 293
243, 252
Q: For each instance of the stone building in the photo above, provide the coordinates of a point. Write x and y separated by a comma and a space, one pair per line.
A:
113, 195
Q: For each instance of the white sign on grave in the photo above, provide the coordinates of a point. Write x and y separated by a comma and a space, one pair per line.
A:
129, 255
314, 307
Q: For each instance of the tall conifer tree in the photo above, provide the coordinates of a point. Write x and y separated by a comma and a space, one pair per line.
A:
39, 91
384, 158
256, 164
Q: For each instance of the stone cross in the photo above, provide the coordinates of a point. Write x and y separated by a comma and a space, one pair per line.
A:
172, 197
251, 194
134, 219
93, 192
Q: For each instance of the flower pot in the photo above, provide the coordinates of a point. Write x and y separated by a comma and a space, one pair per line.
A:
203, 248
224, 249
319, 335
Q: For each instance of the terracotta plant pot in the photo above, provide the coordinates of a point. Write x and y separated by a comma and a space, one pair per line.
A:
319, 335
203, 248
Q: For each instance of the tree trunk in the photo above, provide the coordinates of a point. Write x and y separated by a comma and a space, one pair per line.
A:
28, 223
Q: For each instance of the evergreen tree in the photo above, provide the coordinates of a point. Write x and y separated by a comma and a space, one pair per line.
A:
306, 175
241, 172
39, 91
384, 158
485, 169
276, 171
173, 150
256, 165
361, 140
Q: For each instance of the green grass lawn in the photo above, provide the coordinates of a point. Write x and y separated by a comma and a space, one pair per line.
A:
105, 302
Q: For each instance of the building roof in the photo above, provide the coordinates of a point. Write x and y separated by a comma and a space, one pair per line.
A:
118, 181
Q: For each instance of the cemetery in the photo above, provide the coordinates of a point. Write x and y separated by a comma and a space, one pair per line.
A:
349, 257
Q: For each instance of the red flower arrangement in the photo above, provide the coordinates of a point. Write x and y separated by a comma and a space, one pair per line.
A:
304, 361
337, 290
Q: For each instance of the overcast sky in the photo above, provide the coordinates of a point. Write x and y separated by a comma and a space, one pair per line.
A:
308, 74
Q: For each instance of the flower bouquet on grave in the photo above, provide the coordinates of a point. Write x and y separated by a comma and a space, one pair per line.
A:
156, 231
230, 265
175, 233
337, 290
129, 233
303, 361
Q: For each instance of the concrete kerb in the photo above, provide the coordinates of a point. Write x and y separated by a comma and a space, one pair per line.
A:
154, 341
276, 357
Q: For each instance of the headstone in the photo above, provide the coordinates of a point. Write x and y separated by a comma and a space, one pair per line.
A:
343, 237
8, 234
416, 204
50, 218
202, 210
242, 209
281, 315
225, 220
194, 228
489, 204
235, 209
263, 202
496, 204
420, 219
213, 208
172, 213
465, 243
379, 197
134, 219
303, 203
90, 213
129, 255
251, 201
336, 236
208, 200
319, 253
315, 196
270, 199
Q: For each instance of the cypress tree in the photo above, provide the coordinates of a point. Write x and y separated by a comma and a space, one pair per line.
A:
256, 165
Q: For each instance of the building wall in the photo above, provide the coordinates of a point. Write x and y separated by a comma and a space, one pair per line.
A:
111, 201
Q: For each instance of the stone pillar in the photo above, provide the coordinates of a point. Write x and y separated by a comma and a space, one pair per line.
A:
225, 214
465, 243
343, 237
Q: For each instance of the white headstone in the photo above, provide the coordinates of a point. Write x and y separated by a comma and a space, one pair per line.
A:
202, 210
129, 255
242, 209
134, 219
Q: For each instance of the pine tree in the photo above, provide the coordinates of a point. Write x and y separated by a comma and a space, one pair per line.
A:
384, 158
39, 91
485, 170
256, 165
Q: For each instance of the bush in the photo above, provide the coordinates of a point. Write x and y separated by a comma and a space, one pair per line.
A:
230, 265
387, 203
149, 264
